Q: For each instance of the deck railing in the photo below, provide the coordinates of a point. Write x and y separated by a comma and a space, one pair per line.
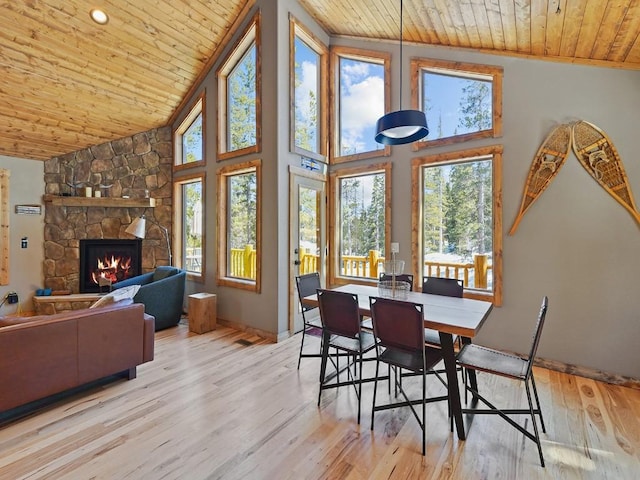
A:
475, 274
243, 262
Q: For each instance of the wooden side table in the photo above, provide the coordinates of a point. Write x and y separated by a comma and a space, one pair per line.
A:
202, 312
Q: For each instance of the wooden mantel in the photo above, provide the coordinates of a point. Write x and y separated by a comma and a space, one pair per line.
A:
99, 201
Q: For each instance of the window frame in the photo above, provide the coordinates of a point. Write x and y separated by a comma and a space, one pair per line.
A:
4, 226
493, 151
251, 35
223, 174
418, 65
334, 224
179, 222
297, 29
198, 108
371, 56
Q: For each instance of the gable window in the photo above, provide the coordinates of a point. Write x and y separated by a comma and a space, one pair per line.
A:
457, 202
239, 130
239, 224
361, 96
361, 219
308, 92
189, 211
462, 101
189, 138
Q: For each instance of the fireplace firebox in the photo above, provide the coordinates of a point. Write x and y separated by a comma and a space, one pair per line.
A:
107, 261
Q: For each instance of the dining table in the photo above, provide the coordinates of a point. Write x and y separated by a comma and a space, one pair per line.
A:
450, 316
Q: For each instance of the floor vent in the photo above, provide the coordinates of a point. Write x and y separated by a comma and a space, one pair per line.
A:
244, 342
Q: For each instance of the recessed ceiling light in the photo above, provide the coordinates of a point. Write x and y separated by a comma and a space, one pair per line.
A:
99, 16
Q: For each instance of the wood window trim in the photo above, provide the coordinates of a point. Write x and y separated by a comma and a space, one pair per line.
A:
4, 226
251, 34
496, 72
335, 53
334, 225
221, 225
297, 29
198, 108
179, 221
494, 151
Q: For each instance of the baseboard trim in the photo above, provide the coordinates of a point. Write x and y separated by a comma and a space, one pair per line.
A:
593, 374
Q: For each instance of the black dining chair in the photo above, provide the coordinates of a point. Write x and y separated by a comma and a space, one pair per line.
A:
402, 277
449, 287
308, 285
340, 316
398, 328
496, 362
387, 277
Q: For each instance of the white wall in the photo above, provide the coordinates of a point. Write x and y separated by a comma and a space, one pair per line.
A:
26, 186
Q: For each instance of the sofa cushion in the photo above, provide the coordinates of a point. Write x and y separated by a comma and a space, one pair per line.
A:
163, 272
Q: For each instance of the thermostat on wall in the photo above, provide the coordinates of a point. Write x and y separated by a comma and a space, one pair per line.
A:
28, 209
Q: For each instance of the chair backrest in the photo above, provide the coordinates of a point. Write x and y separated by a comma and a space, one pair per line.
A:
449, 287
307, 285
403, 277
398, 324
537, 333
339, 312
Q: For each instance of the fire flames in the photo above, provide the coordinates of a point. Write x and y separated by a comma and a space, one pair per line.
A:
111, 269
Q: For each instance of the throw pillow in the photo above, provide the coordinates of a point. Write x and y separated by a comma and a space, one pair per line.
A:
117, 295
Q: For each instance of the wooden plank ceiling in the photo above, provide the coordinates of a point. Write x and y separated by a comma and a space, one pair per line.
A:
67, 83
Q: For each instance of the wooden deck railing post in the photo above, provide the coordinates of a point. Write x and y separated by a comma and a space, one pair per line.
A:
246, 261
374, 255
481, 267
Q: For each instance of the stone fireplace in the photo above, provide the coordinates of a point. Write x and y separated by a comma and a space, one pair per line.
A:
107, 261
133, 168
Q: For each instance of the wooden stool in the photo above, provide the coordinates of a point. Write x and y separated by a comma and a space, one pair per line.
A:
202, 312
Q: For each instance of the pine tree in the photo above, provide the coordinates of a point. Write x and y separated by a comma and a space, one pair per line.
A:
242, 102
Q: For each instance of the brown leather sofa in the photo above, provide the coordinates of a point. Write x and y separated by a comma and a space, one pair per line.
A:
44, 355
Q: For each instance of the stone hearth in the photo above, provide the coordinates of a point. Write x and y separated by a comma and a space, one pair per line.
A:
135, 167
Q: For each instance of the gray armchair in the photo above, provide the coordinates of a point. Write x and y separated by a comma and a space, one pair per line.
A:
161, 292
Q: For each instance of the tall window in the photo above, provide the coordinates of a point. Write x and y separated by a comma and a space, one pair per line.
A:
457, 202
239, 130
239, 221
462, 101
361, 217
361, 96
189, 210
308, 91
189, 137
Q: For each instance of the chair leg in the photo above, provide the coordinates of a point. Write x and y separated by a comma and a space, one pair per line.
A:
304, 330
424, 413
359, 386
323, 364
375, 389
535, 424
535, 394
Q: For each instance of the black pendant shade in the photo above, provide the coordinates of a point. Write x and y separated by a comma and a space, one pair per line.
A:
400, 127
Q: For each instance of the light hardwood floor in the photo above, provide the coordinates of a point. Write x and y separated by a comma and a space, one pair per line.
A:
210, 406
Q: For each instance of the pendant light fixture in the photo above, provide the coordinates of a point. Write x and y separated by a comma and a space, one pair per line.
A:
401, 126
